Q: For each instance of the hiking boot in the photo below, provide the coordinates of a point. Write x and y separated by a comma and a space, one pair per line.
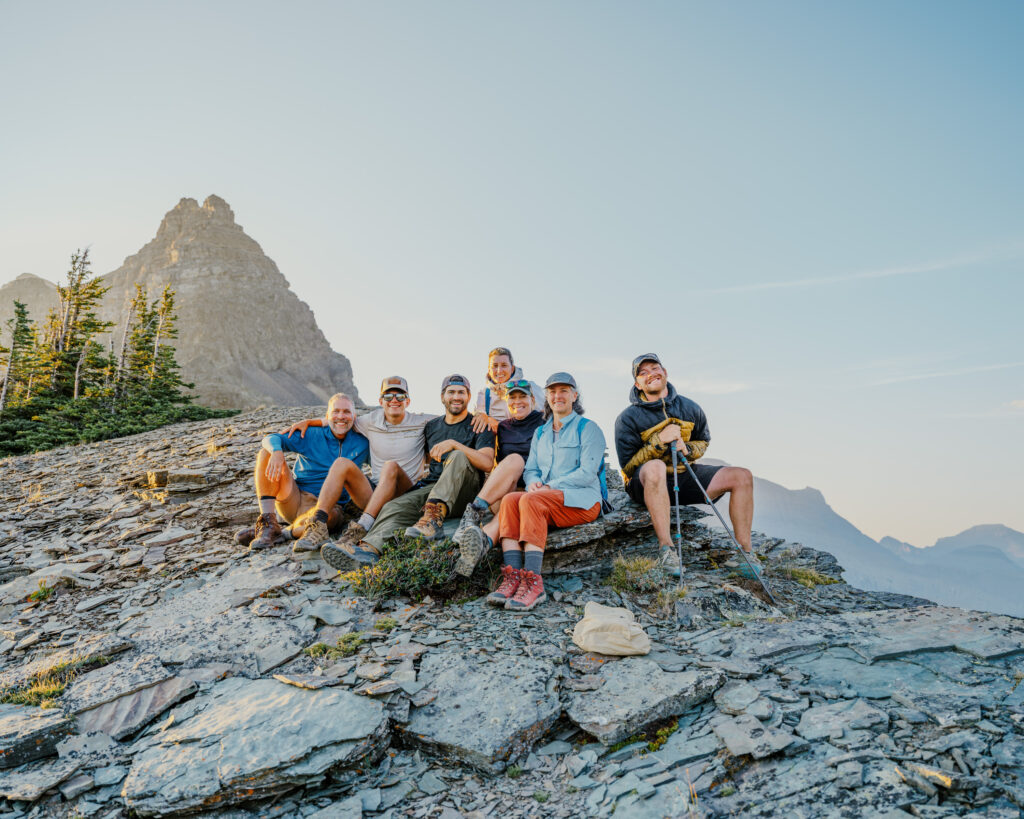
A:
347, 557
352, 536
529, 593
472, 546
751, 570
471, 517
315, 536
243, 537
267, 532
509, 583
668, 560
430, 526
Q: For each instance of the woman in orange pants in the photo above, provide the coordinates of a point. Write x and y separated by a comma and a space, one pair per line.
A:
563, 488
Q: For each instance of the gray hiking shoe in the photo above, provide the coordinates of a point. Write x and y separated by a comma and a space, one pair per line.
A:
669, 561
346, 557
473, 545
352, 536
471, 517
315, 536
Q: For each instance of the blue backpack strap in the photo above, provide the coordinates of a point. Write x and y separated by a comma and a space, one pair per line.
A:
487, 400
601, 471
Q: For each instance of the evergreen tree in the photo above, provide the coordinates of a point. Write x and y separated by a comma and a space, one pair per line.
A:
17, 358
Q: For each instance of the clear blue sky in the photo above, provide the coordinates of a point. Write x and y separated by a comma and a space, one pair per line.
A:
812, 211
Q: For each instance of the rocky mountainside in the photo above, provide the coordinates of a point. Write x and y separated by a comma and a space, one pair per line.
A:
981, 568
190, 689
245, 338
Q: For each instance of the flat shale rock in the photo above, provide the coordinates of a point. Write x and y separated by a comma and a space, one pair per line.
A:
484, 713
126, 715
251, 739
28, 733
636, 693
825, 721
29, 783
112, 681
746, 735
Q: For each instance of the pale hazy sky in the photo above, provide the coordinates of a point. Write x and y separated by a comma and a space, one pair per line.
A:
812, 211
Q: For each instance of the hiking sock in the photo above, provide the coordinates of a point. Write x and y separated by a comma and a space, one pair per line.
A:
366, 521
481, 504
513, 558
532, 561
267, 503
320, 515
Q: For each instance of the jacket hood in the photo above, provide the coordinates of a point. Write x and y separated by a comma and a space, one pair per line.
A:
517, 374
636, 400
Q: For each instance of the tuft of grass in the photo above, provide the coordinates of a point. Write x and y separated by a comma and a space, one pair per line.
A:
415, 567
808, 577
541, 796
1018, 676
347, 645
618, 746
513, 772
45, 686
662, 735
42, 593
638, 575
727, 790
665, 602
385, 624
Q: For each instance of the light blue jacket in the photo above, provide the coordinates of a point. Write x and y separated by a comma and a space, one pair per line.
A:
568, 464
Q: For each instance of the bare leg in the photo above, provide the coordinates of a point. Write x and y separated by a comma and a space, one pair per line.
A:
654, 479
392, 484
344, 474
285, 491
739, 483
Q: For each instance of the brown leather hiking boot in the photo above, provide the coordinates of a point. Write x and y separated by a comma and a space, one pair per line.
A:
529, 593
431, 524
509, 583
268, 532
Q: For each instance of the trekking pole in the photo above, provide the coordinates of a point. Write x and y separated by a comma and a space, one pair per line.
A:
760, 577
679, 525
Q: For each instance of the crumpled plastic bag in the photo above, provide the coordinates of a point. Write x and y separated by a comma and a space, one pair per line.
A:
608, 630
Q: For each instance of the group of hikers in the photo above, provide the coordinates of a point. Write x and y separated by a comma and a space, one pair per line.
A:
526, 455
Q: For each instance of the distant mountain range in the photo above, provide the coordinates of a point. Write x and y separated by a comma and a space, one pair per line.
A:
980, 568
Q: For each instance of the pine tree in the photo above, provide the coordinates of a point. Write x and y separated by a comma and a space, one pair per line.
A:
17, 358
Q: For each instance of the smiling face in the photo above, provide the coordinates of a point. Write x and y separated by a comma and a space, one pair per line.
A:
341, 415
455, 399
561, 397
520, 404
651, 379
499, 368
394, 403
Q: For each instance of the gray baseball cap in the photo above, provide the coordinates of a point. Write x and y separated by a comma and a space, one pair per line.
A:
457, 380
640, 359
561, 378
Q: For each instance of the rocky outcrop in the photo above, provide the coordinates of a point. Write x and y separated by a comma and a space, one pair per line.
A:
244, 338
196, 693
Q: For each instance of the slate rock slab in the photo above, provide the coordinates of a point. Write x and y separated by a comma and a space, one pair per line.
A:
251, 739
128, 714
745, 735
636, 693
29, 783
834, 720
483, 713
86, 648
112, 681
734, 697
28, 733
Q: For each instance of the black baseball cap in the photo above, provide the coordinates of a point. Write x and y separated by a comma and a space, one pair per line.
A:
640, 359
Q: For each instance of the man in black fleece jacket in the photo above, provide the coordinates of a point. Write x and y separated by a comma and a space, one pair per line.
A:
644, 433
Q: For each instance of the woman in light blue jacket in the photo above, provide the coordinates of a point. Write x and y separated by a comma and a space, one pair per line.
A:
563, 488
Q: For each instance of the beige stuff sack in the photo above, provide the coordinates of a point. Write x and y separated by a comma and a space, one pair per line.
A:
607, 630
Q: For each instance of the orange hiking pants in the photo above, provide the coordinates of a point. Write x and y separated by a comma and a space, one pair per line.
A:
525, 516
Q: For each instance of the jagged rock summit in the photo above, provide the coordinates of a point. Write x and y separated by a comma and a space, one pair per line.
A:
244, 337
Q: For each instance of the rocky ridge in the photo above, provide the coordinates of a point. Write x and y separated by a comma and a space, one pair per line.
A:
195, 694
244, 339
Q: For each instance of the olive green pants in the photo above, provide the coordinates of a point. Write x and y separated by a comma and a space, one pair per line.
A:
458, 485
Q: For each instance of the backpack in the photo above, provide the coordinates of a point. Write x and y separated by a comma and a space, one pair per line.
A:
602, 473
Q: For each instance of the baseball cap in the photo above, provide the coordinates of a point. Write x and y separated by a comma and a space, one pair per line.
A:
560, 378
457, 380
394, 382
640, 359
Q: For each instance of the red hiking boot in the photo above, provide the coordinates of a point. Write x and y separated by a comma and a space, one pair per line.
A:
529, 593
509, 583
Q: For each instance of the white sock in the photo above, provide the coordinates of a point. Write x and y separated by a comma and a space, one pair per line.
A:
366, 521
267, 505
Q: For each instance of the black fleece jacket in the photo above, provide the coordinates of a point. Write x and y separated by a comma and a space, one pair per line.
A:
636, 428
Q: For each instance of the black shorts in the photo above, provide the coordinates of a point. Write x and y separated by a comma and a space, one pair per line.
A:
689, 492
